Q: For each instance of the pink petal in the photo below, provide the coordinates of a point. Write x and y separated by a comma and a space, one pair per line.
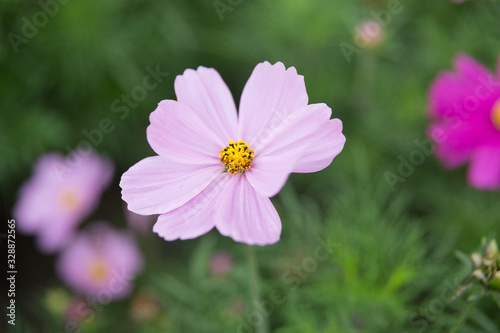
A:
56, 236
246, 216
33, 210
178, 134
326, 144
269, 96
278, 154
208, 96
484, 170
196, 217
156, 185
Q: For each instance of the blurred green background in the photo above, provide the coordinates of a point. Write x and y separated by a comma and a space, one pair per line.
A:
396, 244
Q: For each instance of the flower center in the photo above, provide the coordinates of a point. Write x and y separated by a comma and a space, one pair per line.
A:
69, 199
495, 115
237, 157
98, 270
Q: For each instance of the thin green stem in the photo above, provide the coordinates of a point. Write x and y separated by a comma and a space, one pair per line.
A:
465, 315
261, 326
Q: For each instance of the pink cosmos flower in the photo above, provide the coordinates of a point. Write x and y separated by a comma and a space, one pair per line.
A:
101, 263
218, 168
465, 106
59, 195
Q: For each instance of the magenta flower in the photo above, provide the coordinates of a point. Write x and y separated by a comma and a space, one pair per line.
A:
465, 106
101, 263
59, 195
218, 168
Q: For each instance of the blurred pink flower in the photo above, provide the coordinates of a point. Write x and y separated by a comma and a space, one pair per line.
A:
465, 106
368, 34
202, 179
59, 195
101, 263
220, 263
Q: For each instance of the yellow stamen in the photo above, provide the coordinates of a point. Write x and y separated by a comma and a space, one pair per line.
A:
495, 115
69, 199
98, 270
237, 157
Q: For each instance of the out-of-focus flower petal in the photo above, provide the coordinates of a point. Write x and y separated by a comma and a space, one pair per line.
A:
156, 185
101, 262
246, 216
464, 125
178, 134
